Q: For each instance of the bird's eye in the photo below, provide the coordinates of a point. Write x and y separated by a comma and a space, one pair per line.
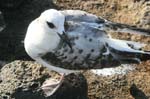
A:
51, 25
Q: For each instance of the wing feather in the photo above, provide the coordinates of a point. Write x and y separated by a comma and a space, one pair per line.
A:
101, 23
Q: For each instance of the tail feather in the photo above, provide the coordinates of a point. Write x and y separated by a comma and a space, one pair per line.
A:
127, 51
118, 27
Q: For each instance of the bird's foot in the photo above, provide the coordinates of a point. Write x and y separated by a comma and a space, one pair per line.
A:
51, 85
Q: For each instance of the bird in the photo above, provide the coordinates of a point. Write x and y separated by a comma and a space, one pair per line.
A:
66, 41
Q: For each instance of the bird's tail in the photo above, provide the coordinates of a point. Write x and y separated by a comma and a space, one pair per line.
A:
118, 27
127, 51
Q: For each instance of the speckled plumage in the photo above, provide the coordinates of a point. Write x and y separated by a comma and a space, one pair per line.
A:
69, 40
83, 43
86, 52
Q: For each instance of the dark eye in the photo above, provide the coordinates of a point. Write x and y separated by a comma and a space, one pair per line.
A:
51, 25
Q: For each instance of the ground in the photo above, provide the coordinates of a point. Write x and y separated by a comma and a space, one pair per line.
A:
133, 85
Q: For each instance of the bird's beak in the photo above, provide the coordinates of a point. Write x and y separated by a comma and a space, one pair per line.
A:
64, 37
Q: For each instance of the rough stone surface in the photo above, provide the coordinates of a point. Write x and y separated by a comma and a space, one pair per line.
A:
130, 86
22, 80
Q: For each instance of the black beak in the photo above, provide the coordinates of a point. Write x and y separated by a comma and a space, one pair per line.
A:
64, 37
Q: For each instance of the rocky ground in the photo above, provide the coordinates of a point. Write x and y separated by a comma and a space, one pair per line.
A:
22, 79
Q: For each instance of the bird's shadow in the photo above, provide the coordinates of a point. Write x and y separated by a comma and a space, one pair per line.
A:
137, 93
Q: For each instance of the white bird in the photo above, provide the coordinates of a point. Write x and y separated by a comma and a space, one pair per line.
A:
70, 40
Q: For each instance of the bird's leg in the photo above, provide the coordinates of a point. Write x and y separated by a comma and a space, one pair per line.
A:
50, 86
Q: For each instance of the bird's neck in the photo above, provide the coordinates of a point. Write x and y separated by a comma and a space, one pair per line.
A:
50, 42
42, 43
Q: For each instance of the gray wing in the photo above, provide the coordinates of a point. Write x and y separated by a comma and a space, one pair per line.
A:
84, 29
81, 16
124, 28
102, 24
92, 48
86, 51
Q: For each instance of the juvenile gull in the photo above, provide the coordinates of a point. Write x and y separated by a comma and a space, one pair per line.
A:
70, 40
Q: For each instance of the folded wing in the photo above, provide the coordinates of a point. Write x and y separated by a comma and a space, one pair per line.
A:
101, 23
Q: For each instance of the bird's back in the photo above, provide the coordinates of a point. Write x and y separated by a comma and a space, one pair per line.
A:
92, 48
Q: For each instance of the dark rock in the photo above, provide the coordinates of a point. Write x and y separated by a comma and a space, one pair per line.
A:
17, 21
137, 93
2, 22
23, 79
10, 3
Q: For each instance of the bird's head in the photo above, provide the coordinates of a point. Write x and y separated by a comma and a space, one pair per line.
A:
53, 21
